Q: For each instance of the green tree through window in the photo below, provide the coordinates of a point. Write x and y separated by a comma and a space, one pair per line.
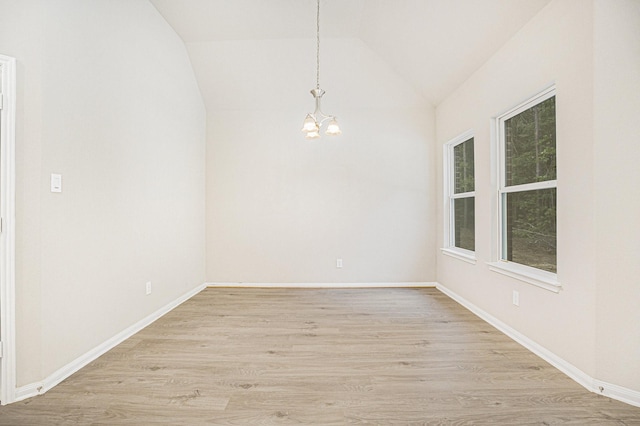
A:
528, 193
460, 191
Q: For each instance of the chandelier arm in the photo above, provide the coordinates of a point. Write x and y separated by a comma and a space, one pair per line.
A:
321, 117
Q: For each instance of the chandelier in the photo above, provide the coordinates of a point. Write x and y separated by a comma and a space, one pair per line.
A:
314, 121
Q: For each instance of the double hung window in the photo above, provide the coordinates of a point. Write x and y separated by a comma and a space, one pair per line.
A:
527, 185
460, 190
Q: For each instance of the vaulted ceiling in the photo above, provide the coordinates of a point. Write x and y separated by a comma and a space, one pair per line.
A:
260, 54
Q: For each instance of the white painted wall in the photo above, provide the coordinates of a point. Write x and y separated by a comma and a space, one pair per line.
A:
281, 208
107, 98
592, 322
617, 198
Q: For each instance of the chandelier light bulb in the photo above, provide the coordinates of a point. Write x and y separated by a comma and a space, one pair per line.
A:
333, 129
314, 134
310, 124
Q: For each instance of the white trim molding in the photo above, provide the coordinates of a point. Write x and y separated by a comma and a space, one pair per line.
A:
538, 277
58, 376
461, 254
7, 224
616, 392
323, 285
610, 390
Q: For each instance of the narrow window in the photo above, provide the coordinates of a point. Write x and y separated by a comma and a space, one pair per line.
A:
527, 190
460, 189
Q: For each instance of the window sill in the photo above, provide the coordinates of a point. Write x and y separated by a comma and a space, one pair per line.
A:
537, 277
460, 254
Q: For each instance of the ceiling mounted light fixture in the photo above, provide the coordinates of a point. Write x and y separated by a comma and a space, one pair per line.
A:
315, 120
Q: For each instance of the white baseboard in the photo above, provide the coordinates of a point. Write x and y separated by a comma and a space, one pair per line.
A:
323, 285
616, 392
33, 389
27, 391
610, 390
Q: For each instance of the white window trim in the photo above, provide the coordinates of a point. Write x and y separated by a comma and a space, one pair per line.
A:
8, 70
538, 277
449, 249
460, 254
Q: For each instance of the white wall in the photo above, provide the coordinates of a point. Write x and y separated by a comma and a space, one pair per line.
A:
281, 208
108, 99
616, 177
592, 322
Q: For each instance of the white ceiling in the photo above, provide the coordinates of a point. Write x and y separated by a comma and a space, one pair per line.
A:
261, 53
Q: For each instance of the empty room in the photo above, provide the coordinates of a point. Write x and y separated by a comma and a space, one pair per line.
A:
323, 212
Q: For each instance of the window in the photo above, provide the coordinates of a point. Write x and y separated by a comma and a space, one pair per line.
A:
460, 238
527, 187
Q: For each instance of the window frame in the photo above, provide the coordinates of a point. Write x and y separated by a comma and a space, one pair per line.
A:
538, 277
450, 196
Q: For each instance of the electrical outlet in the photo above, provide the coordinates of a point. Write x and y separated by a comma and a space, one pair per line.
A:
56, 182
516, 298
148, 287
338, 263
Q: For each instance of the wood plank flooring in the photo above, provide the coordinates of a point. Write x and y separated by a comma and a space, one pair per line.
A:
319, 357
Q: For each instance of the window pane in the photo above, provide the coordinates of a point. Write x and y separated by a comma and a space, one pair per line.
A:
464, 228
463, 167
530, 145
530, 229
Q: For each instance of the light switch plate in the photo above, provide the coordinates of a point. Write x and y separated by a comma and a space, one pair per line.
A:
56, 182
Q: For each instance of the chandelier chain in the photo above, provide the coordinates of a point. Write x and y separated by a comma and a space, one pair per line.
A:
318, 46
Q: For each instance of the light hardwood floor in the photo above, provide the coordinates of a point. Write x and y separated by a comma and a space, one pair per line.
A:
320, 357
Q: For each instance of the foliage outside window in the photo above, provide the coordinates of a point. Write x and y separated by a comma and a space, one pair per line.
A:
527, 193
461, 193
